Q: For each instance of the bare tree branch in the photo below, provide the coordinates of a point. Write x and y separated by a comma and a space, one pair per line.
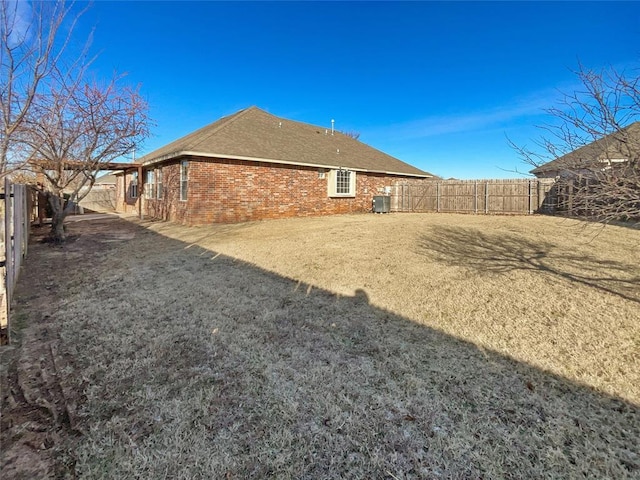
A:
55, 119
34, 38
77, 129
592, 146
351, 134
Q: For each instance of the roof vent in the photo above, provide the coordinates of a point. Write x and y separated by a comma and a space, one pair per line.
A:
279, 124
332, 123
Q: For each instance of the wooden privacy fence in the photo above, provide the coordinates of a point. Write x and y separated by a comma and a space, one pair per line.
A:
15, 210
100, 200
514, 196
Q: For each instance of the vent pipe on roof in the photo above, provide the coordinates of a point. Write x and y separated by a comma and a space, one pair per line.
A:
279, 124
332, 122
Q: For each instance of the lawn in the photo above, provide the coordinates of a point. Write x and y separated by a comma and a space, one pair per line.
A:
361, 346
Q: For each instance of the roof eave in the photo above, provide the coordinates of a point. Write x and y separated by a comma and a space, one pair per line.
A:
189, 153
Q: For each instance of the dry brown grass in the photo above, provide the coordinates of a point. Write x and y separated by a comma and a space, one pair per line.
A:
542, 290
395, 346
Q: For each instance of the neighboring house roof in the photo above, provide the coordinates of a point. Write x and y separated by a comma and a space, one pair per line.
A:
255, 135
108, 179
618, 146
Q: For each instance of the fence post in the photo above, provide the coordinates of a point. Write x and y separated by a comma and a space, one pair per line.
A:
539, 196
6, 275
8, 239
26, 220
438, 197
486, 197
404, 200
475, 197
4, 311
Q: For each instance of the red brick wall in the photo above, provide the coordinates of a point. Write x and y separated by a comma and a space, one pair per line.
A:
229, 191
124, 202
169, 207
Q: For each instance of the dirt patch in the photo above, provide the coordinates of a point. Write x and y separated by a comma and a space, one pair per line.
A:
361, 346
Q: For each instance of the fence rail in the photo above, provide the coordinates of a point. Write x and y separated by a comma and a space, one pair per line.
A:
514, 196
16, 207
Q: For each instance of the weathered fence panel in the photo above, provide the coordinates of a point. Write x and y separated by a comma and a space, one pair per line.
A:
100, 200
513, 196
16, 209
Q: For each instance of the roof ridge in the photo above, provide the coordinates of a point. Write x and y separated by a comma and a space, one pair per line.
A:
222, 122
253, 134
301, 123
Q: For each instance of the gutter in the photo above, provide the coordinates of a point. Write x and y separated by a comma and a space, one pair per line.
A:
177, 155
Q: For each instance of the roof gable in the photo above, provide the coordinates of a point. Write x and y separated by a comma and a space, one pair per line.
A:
254, 134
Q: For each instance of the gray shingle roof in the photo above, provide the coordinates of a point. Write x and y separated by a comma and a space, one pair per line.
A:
107, 179
618, 145
253, 134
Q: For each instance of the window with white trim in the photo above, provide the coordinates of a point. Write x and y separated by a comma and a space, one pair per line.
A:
150, 185
342, 183
159, 191
184, 180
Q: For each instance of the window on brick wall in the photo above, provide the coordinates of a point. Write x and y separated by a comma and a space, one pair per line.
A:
342, 183
184, 179
150, 185
159, 191
133, 185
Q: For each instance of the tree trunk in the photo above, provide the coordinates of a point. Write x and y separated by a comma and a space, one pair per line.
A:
57, 220
57, 228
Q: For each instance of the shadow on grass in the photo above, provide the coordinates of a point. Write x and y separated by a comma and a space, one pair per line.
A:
485, 253
193, 364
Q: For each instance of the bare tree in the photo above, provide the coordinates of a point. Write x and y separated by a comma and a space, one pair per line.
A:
34, 37
76, 129
351, 134
55, 120
592, 146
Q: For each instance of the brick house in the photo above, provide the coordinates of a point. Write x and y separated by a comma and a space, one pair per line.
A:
253, 165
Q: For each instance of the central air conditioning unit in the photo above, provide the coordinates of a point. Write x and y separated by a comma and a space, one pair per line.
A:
381, 204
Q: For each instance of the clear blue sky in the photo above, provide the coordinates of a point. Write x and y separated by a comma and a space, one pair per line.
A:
438, 85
